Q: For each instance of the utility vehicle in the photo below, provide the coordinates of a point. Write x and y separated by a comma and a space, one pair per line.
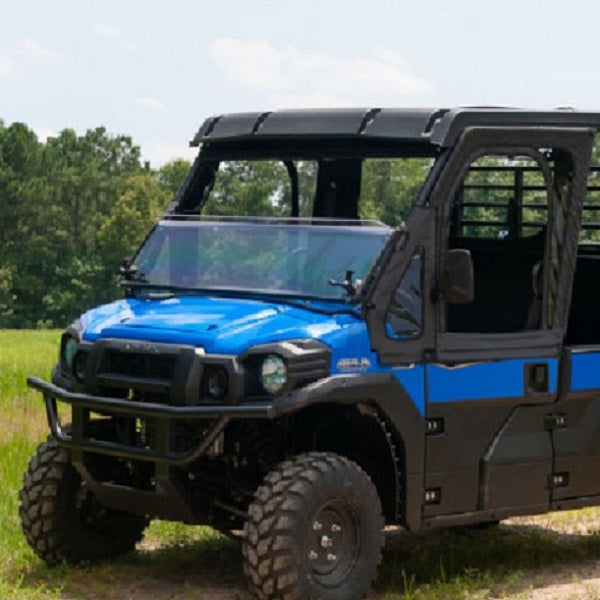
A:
301, 375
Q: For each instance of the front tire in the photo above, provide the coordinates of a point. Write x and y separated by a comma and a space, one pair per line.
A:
314, 530
62, 520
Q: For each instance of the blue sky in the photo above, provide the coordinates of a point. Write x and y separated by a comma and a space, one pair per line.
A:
154, 70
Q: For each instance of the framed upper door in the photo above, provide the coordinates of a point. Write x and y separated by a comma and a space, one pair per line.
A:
512, 199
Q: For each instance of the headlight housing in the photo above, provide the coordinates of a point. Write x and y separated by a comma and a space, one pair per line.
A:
280, 367
273, 373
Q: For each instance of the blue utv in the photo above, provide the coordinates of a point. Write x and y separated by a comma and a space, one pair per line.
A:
301, 375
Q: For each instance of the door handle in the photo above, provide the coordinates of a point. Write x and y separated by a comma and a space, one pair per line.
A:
536, 378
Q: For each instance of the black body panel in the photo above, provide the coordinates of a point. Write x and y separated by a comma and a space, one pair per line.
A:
492, 454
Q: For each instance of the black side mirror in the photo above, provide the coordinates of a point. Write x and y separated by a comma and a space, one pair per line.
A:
459, 286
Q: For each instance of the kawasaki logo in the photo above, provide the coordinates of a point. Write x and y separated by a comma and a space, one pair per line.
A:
353, 364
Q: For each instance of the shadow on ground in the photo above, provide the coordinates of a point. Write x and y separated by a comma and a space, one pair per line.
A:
504, 560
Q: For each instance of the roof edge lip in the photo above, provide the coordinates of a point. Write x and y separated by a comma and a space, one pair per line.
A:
436, 126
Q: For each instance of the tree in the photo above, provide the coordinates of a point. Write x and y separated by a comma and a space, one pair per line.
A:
54, 200
139, 203
171, 175
390, 187
249, 188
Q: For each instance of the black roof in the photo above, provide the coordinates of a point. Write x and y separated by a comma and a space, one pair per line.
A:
439, 127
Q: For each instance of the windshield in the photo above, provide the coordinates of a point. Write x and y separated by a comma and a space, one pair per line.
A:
315, 261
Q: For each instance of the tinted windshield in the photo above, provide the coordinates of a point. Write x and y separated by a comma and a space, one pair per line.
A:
298, 260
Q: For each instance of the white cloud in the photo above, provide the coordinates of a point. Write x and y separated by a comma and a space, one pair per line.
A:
22, 54
151, 103
114, 34
292, 76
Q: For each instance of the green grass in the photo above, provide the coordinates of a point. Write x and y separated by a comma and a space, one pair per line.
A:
178, 562
22, 425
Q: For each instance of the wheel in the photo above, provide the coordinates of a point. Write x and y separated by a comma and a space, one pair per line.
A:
314, 530
62, 520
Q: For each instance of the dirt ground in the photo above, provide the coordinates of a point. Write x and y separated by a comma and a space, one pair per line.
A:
578, 581
164, 578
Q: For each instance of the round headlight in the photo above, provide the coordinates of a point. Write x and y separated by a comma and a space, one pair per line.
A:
216, 383
273, 373
69, 350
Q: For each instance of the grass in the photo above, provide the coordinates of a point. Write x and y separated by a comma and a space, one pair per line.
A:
179, 562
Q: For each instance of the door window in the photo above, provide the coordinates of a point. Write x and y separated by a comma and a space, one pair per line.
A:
404, 317
509, 212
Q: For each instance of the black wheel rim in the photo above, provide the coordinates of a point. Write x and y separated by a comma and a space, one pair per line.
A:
333, 542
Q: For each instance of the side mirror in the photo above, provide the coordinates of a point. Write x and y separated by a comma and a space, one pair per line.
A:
459, 286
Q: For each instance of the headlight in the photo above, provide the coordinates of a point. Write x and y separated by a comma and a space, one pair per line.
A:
273, 373
68, 352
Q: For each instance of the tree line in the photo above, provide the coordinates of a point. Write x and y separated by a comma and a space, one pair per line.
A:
70, 209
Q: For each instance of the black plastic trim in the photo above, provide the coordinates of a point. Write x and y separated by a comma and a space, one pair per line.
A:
381, 389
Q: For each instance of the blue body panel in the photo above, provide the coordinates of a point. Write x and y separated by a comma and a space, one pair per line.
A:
480, 381
585, 371
219, 325
233, 325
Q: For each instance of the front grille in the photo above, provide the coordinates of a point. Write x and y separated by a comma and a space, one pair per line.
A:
152, 366
144, 372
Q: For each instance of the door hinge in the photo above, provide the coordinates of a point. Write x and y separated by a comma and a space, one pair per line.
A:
434, 426
433, 496
558, 421
556, 480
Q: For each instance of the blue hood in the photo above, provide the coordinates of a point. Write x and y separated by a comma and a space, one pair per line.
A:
219, 325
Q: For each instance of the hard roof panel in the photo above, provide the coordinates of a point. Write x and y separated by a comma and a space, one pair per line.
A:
228, 126
313, 122
406, 124
439, 127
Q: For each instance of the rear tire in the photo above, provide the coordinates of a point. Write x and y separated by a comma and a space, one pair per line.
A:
62, 520
314, 530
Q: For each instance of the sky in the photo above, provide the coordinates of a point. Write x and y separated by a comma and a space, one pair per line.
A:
155, 70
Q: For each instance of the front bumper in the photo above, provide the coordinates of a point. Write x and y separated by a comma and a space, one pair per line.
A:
167, 495
162, 414
345, 389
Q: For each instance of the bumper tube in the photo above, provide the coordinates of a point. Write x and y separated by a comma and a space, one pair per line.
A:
337, 388
161, 413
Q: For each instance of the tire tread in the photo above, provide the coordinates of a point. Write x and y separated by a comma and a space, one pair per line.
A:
269, 537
